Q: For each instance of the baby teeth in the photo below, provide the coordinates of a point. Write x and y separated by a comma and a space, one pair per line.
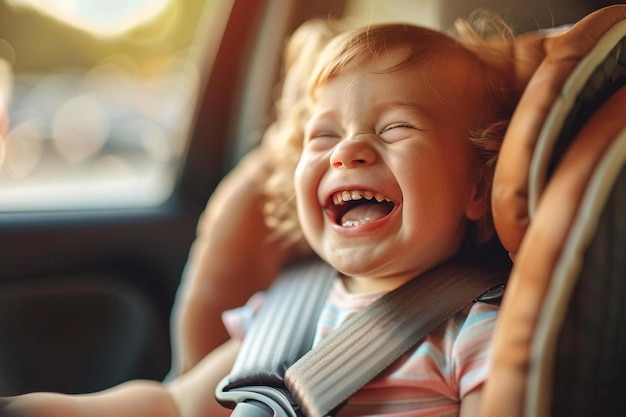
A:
352, 223
354, 195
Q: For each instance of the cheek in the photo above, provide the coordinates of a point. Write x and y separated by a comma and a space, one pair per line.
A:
299, 181
306, 179
301, 178
309, 171
307, 176
437, 186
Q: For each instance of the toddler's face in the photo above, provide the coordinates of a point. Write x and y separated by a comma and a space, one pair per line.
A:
386, 180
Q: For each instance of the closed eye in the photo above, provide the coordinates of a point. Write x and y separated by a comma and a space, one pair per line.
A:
408, 125
323, 134
322, 128
322, 139
398, 131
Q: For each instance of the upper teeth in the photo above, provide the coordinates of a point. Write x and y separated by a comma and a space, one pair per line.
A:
341, 197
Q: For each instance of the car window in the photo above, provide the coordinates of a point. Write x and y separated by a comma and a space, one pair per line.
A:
103, 94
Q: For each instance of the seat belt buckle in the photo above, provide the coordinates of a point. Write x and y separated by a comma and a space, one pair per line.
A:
256, 401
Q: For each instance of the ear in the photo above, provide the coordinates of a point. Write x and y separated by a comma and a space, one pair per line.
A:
478, 202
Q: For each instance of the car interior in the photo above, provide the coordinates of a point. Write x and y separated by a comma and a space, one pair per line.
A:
125, 117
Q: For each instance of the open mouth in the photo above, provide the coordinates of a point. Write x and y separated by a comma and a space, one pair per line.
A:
355, 207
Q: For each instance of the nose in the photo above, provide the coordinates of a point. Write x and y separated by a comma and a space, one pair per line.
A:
352, 153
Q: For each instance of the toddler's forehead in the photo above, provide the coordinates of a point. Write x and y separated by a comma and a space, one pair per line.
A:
456, 66
408, 55
426, 53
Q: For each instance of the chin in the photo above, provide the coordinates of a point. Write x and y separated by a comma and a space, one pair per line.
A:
350, 269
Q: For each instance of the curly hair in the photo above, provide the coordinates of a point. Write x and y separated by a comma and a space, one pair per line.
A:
282, 140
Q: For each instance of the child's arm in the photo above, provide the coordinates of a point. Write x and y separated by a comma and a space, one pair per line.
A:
132, 399
192, 395
194, 391
470, 405
231, 258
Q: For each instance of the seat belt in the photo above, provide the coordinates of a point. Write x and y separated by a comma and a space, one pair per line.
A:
278, 374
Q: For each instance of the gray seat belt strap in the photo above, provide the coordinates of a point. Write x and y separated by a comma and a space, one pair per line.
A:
368, 343
283, 331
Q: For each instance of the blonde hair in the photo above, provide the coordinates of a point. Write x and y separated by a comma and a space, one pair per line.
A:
423, 44
490, 39
282, 141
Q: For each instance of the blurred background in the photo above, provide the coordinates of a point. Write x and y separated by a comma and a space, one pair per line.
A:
102, 98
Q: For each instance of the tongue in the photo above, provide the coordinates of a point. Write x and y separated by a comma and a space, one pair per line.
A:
365, 213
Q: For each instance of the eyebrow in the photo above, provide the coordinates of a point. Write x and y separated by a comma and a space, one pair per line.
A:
410, 106
326, 114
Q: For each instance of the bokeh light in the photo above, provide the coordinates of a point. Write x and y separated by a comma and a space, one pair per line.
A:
80, 128
99, 17
23, 150
101, 96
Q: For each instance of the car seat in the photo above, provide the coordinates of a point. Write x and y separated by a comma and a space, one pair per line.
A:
559, 200
556, 207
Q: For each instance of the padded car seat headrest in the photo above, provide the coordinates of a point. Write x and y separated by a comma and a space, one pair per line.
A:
558, 202
555, 104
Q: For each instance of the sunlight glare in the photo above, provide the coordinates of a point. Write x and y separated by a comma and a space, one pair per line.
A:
99, 17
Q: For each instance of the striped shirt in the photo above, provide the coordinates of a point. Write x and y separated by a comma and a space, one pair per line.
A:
431, 380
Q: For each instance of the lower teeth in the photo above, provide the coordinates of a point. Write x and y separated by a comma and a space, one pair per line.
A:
351, 223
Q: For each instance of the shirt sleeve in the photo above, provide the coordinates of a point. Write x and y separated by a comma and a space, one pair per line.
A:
237, 321
473, 346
